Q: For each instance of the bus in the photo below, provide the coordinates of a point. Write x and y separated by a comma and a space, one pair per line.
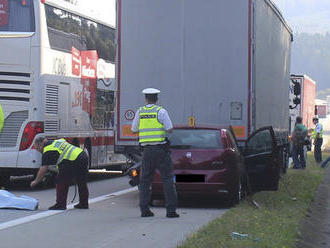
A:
57, 69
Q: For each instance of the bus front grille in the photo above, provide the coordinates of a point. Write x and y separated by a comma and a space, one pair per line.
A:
11, 128
15, 86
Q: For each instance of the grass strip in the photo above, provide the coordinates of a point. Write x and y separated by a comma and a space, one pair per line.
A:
275, 224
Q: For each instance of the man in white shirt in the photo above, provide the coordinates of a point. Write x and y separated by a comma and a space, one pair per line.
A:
317, 135
152, 122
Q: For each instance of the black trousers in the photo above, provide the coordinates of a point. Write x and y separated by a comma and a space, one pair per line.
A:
317, 150
69, 170
157, 157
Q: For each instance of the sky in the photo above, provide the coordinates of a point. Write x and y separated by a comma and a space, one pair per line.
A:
103, 8
309, 16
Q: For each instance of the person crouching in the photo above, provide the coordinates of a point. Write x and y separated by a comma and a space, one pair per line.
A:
72, 163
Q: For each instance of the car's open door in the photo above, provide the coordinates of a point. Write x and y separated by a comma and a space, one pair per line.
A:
261, 160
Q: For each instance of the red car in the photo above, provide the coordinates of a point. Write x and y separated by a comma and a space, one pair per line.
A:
208, 163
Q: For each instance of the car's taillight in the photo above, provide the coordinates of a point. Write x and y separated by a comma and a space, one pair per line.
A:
30, 131
135, 173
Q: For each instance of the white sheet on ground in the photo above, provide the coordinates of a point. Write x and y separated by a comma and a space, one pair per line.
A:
9, 200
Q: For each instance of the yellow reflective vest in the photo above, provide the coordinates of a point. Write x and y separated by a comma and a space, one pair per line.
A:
314, 133
66, 150
150, 129
2, 118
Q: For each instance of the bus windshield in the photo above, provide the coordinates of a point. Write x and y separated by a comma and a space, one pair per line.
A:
17, 16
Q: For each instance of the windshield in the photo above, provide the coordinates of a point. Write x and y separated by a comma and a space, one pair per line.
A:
16, 16
195, 138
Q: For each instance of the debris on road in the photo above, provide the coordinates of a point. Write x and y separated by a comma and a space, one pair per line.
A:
9, 200
240, 236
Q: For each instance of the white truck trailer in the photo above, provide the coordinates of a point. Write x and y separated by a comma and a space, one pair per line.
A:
215, 62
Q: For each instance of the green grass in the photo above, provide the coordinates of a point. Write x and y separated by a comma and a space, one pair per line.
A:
276, 223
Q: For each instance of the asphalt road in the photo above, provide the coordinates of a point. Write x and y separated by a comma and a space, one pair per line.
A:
113, 219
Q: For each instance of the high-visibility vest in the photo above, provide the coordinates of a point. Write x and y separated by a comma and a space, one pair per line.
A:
314, 133
150, 129
2, 118
66, 150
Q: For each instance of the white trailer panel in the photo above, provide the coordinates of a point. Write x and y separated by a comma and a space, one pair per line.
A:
204, 56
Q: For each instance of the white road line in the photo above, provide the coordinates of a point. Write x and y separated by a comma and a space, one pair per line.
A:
47, 213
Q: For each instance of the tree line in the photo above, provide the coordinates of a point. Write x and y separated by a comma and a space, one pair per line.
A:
311, 56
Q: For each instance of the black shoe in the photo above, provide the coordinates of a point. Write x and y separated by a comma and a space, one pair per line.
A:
172, 215
57, 207
147, 213
80, 206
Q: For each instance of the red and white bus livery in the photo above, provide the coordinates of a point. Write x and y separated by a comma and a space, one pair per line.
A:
57, 69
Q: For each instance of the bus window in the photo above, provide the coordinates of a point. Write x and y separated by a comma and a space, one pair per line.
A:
104, 107
67, 29
17, 16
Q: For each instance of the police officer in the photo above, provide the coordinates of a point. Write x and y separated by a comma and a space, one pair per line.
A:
2, 119
152, 122
317, 136
72, 162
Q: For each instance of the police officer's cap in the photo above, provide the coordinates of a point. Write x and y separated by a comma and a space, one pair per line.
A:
315, 118
149, 91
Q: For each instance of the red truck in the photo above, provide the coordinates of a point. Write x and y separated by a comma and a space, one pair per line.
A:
306, 108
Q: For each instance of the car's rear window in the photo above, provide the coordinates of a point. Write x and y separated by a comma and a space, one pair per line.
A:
195, 138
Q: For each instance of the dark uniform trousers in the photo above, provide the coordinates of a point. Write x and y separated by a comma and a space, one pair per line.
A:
68, 170
157, 157
317, 150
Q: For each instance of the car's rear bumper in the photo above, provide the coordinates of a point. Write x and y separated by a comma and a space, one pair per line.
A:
201, 183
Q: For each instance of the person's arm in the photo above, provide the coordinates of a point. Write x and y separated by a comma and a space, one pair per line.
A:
135, 123
318, 130
42, 171
169, 130
164, 118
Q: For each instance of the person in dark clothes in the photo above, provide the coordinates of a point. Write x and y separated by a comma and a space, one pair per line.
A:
317, 136
298, 141
72, 163
152, 122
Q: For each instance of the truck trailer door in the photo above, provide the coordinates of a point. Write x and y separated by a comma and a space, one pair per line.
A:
261, 160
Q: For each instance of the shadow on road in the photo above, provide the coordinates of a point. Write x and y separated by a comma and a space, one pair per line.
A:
22, 183
196, 203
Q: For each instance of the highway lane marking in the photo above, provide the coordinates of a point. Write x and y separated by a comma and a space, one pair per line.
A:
48, 213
